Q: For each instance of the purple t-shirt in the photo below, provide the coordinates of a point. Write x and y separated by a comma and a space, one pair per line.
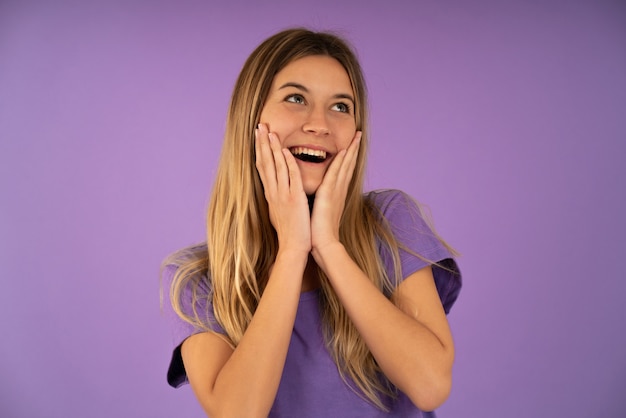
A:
311, 385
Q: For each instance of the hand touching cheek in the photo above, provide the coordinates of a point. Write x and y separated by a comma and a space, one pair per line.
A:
331, 197
282, 183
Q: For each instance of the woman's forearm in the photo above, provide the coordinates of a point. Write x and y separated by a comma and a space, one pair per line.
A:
414, 357
248, 382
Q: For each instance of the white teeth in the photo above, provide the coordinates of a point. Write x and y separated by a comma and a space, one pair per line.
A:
313, 152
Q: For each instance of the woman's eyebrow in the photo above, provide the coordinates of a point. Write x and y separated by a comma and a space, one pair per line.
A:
304, 89
295, 85
344, 96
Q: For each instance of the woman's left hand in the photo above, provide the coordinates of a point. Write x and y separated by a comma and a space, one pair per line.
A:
330, 198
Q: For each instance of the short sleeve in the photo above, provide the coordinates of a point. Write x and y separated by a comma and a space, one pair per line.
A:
415, 236
181, 329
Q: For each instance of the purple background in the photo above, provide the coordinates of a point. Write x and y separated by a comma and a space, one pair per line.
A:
507, 118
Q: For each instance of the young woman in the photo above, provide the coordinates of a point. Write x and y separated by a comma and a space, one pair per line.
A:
309, 298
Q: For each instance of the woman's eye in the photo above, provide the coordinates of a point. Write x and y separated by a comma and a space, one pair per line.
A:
295, 98
342, 107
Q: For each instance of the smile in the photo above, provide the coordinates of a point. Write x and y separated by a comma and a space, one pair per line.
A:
308, 155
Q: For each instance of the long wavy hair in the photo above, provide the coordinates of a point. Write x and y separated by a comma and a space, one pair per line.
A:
241, 242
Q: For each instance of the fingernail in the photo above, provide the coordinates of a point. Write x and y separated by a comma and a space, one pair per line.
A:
256, 133
271, 137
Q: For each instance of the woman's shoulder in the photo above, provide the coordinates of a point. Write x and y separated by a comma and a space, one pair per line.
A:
191, 261
419, 244
385, 195
185, 255
393, 203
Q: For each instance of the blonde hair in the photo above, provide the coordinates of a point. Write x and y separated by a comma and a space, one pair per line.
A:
241, 242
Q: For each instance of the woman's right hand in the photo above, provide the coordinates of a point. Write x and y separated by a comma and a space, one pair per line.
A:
282, 184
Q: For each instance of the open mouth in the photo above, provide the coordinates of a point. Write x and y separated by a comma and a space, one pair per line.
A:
309, 155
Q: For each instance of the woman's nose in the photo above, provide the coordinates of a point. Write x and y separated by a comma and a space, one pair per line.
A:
316, 122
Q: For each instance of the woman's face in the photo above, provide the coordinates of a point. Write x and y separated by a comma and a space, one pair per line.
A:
310, 107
